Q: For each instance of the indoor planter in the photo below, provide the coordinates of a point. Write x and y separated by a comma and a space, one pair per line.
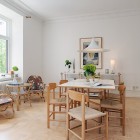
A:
15, 68
89, 71
68, 64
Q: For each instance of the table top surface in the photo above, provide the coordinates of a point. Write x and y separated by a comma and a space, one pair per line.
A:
97, 84
18, 84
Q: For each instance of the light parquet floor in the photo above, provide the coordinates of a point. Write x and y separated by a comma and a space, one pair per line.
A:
30, 124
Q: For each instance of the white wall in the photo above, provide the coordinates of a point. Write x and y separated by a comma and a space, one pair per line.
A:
121, 35
32, 47
16, 45
15, 38
25, 43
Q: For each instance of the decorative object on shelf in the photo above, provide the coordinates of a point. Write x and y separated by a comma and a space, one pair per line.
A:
89, 71
74, 66
15, 68
112, 63
68, 64
106, 71
12, 74
91, 51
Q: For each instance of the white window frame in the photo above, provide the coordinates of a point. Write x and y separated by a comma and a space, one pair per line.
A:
7, 38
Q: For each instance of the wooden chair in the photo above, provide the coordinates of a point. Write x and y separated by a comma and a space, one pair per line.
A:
116, 105
5, 102
63, 90
54, 102
37, 86
83, 114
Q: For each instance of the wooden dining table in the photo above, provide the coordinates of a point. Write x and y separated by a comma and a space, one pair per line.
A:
100, 84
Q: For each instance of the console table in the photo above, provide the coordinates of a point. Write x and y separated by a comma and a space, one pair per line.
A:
65, 76
71, 76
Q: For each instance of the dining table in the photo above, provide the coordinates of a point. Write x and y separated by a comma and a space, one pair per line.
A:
99, 84
83, 83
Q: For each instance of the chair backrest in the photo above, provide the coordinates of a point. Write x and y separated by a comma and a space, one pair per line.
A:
52, 86
63, 81
77, 96
121, 89
36, 81
51, 89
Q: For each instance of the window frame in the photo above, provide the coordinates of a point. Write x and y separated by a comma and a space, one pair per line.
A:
7, 39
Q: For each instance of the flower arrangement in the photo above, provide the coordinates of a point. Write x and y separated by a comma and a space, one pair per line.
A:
89, 70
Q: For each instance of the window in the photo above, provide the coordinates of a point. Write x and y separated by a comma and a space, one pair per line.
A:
4, 41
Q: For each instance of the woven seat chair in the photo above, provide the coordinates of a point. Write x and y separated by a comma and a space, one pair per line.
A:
83, 114
5, 103
37, 86
115, 106
54, 102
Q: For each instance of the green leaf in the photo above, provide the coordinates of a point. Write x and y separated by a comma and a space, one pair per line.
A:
15, 68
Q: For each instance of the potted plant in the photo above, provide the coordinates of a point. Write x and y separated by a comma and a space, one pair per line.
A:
89, 71
15, 68
68, 64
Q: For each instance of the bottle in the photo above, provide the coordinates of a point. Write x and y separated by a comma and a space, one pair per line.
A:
12, 74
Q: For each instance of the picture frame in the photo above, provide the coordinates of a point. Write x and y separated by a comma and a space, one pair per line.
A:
90, 58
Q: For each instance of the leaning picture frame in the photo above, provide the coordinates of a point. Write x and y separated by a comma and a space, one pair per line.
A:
90, 58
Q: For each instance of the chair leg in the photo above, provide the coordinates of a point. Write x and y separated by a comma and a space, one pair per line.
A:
83, 131
17, 102
48, 119
13, 108
123, 122
43, 96
68, 126
106, 126
53, 111
29, 99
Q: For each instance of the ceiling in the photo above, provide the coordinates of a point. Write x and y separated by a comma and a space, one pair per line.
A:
52, 9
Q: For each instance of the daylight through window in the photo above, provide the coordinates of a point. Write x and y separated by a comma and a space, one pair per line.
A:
4, 39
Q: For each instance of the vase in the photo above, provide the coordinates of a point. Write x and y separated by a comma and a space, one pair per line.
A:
15, 80
89, 77
68, 70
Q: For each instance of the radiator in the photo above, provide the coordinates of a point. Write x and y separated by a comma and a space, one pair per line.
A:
3, 85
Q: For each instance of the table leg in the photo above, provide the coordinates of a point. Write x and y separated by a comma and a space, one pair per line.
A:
18, 98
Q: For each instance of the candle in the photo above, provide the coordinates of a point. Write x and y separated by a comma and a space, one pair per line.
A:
112, 63
74, 66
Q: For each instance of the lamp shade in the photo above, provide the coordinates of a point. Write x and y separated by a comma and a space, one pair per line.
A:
93, 47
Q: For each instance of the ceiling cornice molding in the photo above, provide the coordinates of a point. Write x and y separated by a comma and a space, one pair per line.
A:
98, 15
20, 8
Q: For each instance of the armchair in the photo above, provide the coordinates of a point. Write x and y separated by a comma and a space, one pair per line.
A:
37, 86
5, 102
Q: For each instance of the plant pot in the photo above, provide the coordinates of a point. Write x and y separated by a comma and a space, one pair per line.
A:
89, 77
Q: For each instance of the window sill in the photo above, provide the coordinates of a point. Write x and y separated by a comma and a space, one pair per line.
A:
5, 78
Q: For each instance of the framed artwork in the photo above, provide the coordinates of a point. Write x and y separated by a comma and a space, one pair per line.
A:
90, 58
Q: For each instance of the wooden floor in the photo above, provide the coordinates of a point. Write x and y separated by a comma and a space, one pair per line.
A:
30, 124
